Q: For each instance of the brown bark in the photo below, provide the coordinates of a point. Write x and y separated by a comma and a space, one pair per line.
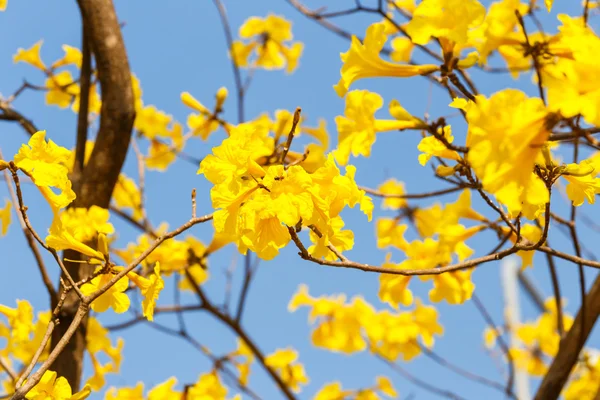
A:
571, 346
95, 184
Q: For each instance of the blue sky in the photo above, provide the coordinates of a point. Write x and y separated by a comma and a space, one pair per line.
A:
179, 46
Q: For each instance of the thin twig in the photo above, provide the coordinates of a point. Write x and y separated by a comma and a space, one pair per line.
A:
23, 211
413, 195
31, 243
240, 90
419, 382
464, 373
4, 365
490, 322
37, 354
288, 142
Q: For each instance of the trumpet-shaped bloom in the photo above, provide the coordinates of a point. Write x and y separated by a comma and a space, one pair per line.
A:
203, 122
150, 289
62, 237
455, 287
573, 81
292, 373
267, 46
393, 289
152, 122
127, 195
208, 386
358, 126
52, 388
136, 393
448, 19
505, 137
582, 182
86, 223
393, 190
31, 56
362, 60
45, 163
431, 146
62, 89
342, 240
114, 297
72, 56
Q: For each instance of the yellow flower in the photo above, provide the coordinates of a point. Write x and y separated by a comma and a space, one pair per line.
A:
267, 40
362, 60
198, 271
62, 89
497, 29
3, 4
161, 155
150, 289
127, 195
582, 182
237, 155
395, 188
358, 126
165, 391
62, 237
31, 56
208, 386
114, 297
52, 388
5, 215
430, 146
584, 379
20, 320
152, 122
203, 123
341, 240
390, 233
340, 325
385, 386
98, 340
401, 49
572, 81
72, 56
393, 289
331, 391
448, 19
505, 137
86, 223
529, 360
44, 162
136, 393
455, 287
319, 133
283, 361
531, 233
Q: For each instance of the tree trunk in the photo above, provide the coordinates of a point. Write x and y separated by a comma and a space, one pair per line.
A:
95, 182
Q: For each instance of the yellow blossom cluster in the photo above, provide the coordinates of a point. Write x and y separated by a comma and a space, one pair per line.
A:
266, 44
208, 386
443, 239
258, 199
284, 362
354, 326
334, 391
61, 88
539, 340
